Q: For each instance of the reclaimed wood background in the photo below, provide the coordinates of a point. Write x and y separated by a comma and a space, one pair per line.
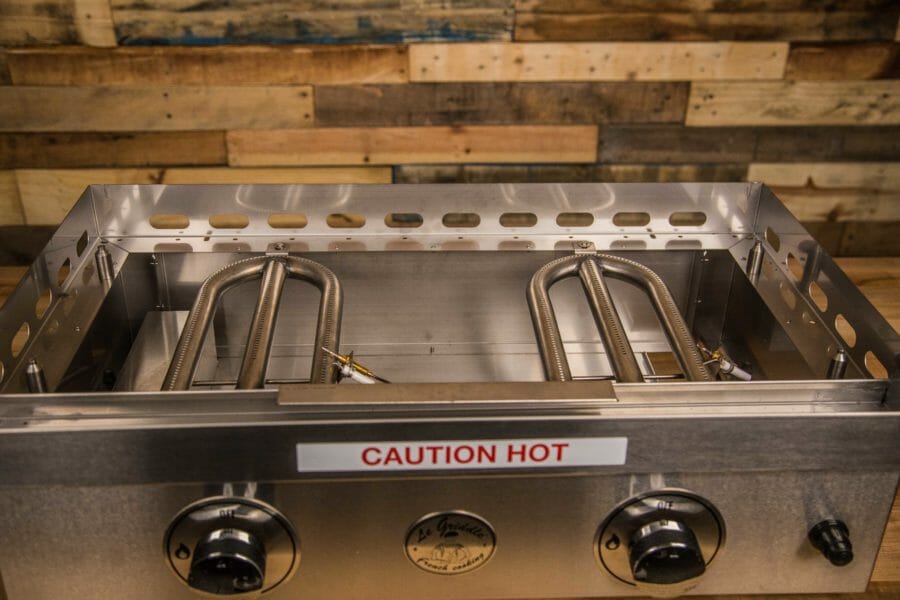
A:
801, 94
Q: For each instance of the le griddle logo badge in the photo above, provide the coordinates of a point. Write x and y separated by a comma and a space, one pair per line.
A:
450, 543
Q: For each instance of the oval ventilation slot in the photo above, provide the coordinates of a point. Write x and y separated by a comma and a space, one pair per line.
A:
574, 219
287, 221
818, 296
521, 219
345, 220
845, 330
461, 220
81, 244
773, 239
19, 340
43, 303
229, 221
63, 272
403, 220
631, 219
874, 366
169, 221
687, 219
795, 267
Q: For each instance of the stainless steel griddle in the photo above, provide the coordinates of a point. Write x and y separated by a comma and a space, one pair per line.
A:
441, 391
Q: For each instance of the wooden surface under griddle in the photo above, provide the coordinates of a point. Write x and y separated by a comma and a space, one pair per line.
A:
879, 280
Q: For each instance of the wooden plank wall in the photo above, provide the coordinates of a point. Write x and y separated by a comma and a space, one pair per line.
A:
801, 94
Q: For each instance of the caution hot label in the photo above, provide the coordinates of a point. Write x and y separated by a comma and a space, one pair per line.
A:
462, 454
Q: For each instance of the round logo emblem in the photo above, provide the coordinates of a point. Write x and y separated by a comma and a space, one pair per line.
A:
450, 543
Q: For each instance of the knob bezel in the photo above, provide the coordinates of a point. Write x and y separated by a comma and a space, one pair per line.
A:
613, 537
196, 521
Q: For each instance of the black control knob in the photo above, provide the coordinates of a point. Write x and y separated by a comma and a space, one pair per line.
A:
665, 552
832, 538
228, 562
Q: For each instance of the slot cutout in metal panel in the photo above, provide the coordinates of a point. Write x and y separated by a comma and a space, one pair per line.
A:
874, 366
773, 239
81, 244
169, 221
43, 303
228, 221
461, 220
63, 272
345, 220
631, 219
687, 219
819, 298
518, 219
845, 330
19, 340
574, 219
403, 220
287, 221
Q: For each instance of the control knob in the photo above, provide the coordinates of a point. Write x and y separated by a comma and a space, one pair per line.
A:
665, 552
661, 542
228, 562
232, 546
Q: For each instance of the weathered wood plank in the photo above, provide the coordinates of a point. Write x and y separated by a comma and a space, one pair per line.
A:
234, 65
4, 68
866, 60
567, 173
804, 144
37, 108
310, 21
707, 26
47, 195
834, 191
414, 145
881, 176
278, 175
794, 103
674, 144
624, 6
97, 149
654, 61
879, 280
877, 239
26, 22
10, 204
500, 103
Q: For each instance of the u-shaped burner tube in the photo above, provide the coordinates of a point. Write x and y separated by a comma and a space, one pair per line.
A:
591, 269
274, 271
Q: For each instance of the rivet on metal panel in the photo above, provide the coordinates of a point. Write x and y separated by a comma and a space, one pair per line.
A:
277, 249
584, 247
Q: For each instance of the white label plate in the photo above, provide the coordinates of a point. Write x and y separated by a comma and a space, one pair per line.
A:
461, 455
